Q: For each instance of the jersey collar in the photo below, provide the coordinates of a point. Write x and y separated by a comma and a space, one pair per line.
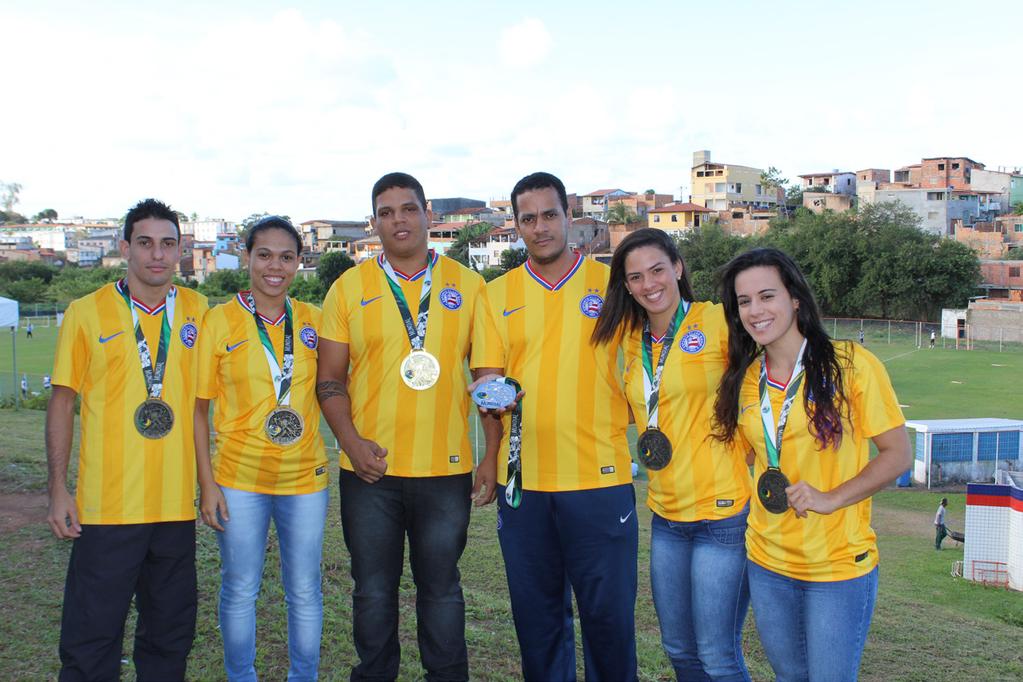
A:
554, 286
432, 257
120, 284
241, 298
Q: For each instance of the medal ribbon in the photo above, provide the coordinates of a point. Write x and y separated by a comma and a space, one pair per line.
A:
152, 373
513, 489
652, 376
416, 330
280, 373
772, 437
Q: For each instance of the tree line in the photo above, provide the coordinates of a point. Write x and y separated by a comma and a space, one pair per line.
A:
870, 262
873, 262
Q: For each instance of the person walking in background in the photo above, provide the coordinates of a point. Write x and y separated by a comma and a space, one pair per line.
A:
24, 385
809, 408
47, 385
28, 330
675, 353
940, 531
932, 340
128, 350
258, 364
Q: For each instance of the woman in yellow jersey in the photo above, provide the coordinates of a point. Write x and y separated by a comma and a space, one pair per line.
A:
808, 408
258, 363
675, 350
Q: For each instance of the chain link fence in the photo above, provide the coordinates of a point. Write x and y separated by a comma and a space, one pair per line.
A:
920, 334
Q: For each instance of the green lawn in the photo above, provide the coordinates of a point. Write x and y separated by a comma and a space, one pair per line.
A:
927, 626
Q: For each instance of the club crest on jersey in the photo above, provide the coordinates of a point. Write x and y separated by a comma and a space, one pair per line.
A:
591, 305
189, 333
450, 298
693, 341
308, 336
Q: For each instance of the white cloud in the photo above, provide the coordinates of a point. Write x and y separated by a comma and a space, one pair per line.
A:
525, 44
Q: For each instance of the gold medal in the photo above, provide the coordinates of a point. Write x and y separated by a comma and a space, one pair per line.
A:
284, 426
420, 370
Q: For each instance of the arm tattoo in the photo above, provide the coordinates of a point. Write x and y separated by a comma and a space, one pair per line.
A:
330, 389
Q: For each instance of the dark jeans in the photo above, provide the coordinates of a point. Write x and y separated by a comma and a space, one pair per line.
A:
376, 517
155, 562
582, 541
939, 534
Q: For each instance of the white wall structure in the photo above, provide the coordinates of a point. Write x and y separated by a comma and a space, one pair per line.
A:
965, 450
993, 552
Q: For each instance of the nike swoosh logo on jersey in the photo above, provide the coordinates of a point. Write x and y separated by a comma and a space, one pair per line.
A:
623, 519
743, 410
513, 310
104, 339
366, 302
232, 347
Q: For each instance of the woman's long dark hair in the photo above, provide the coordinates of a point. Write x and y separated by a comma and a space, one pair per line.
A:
824, 394
621, 314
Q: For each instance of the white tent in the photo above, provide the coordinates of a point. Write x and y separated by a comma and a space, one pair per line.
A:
8, 312
9, 320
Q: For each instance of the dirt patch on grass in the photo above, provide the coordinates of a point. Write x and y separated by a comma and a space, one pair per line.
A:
889, 521
18, 510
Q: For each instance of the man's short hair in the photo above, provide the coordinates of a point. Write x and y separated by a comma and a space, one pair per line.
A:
539, 180
401, 180
149, 208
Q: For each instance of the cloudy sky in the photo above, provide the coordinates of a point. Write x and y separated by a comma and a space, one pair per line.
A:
297, 108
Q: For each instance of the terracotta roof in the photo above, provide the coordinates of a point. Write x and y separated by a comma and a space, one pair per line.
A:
829, 174
680, 207
603, 192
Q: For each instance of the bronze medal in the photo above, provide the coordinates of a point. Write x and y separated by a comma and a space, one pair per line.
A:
771, 490
654, 449
154, 419
283, 426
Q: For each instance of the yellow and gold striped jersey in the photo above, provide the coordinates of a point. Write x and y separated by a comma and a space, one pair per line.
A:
836, 546
234, 373
425, 432
574, 413
122, 476
706, 479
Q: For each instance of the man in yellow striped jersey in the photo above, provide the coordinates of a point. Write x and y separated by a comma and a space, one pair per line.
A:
128, 350
396, 333
566, 520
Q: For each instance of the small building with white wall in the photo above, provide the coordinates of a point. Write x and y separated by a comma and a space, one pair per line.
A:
965, 450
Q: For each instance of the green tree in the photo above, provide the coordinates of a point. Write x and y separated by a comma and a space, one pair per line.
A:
45, 214
459, 249
513, 258
1017, 208
74, 282
306, 289
489, 274
705, 250
30, 290
331, 266
221, 283
17, 270
622, 215
794, 196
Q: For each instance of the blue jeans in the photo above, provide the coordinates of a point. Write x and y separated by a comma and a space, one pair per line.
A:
698, 578
582, 541
375, 517
299, 520
812, 630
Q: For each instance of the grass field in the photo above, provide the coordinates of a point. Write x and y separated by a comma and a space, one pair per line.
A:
927, 625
